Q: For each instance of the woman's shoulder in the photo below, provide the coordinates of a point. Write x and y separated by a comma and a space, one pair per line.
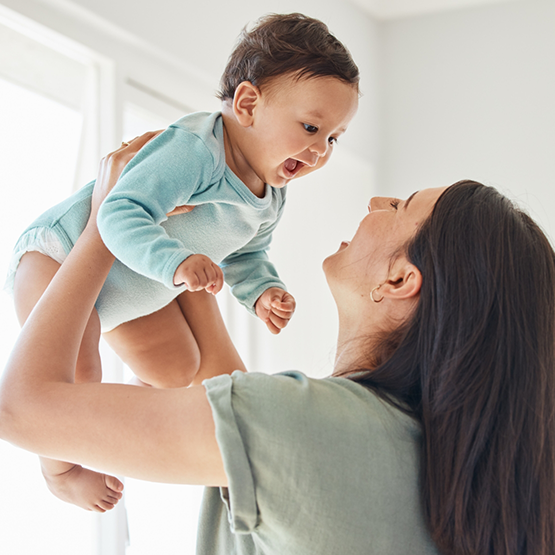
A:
329, 445
292, 396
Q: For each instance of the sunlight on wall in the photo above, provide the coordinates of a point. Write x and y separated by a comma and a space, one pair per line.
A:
39, 142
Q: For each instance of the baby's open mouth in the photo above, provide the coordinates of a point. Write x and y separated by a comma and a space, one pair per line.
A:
292, 167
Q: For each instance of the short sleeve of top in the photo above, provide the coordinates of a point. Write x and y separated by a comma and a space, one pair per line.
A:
314, 466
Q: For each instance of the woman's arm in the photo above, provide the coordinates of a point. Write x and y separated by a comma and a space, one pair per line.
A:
160, 435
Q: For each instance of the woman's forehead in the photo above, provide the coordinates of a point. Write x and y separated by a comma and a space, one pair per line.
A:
423, 200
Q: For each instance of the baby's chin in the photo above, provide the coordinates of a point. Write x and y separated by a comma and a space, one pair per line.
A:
305, 171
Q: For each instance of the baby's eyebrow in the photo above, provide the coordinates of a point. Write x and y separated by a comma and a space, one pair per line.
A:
315, 114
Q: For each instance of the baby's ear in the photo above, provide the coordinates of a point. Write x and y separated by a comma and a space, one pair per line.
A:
245, 100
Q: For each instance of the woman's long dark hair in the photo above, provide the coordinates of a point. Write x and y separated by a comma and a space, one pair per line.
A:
476, 365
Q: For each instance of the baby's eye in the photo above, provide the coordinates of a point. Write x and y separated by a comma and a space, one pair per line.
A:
332, 140
310, 128
394, 204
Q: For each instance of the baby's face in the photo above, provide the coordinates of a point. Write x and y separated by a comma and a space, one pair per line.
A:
296, 124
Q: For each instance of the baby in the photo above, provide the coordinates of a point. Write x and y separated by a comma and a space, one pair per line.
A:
288, 92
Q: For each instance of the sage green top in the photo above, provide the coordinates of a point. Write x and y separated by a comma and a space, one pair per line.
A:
315, 467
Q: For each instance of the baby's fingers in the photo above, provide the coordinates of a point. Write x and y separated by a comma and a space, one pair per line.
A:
277, 322
193, 282
282, 312
216, 286
285, 304
271, 326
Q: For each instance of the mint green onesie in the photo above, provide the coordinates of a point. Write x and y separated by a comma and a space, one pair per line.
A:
183, 165
315, 467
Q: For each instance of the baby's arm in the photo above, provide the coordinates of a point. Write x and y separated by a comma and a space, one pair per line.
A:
254, 280
275, 307
163, 175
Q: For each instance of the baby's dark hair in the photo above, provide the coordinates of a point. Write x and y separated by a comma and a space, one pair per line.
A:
282, 44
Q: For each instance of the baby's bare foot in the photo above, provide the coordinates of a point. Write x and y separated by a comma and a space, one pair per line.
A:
86, 488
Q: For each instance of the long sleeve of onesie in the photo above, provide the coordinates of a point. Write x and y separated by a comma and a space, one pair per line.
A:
163, 175
230, 225
249, 271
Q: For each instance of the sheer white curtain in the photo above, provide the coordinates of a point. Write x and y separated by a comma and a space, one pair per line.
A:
42, 110
53, 123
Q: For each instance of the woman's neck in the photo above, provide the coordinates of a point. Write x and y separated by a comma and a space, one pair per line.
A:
353, 342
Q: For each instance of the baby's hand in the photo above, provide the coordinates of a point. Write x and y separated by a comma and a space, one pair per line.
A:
275, 308
199, 272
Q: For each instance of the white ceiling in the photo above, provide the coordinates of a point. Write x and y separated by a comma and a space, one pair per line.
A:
392, 9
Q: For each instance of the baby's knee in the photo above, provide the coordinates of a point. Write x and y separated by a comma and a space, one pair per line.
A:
179, 371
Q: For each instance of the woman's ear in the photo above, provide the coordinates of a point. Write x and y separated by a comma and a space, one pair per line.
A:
404, 281
245, 100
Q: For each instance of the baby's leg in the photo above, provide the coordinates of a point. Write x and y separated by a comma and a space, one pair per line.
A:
72, 483
217, 352
181, 344
159, 348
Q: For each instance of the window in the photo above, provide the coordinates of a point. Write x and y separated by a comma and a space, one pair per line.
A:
60, 110
44, 110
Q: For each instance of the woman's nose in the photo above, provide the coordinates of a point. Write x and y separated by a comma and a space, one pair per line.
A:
377, 203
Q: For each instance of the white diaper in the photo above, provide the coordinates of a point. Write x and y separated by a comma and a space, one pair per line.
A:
38, 239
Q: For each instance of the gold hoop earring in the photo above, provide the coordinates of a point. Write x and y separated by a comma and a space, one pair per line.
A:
372, 294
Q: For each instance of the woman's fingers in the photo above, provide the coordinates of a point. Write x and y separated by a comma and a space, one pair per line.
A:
180, 210
127, 150
138, 142
113, 164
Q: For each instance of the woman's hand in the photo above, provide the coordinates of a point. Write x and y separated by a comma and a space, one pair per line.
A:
111, 167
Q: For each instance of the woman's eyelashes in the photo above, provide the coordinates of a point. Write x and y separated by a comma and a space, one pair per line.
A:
394, 203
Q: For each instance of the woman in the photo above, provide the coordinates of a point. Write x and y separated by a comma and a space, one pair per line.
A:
436, 434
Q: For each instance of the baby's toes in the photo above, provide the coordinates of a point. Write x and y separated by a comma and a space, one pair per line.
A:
112, 498
97, 509
114, 484
105, 505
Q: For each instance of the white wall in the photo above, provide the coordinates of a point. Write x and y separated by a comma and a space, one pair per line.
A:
461, 94
471, 94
